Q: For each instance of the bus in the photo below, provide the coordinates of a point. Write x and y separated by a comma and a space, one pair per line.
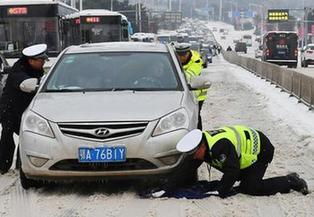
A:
281, 48
27, 22
247, 39
95, 25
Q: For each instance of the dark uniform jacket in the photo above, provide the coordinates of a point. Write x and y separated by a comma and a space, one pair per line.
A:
224, 152
14, 101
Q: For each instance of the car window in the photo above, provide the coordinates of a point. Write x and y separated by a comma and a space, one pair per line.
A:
310, 47
113, 71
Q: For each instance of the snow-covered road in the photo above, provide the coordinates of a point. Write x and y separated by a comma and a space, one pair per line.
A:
236, 97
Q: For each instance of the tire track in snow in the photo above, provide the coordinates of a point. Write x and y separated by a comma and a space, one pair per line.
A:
22, 203
6, 182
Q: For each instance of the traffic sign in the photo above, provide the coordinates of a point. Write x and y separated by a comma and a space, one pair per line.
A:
278, 15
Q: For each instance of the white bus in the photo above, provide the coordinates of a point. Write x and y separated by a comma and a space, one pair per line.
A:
95, 25
27, 22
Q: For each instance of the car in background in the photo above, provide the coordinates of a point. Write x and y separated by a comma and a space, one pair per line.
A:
214, 29
223, 37
207, 54
240, 47
110, 111
307, 55
259, 52
247, 39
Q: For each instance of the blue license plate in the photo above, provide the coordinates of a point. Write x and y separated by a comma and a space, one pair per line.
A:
102, 154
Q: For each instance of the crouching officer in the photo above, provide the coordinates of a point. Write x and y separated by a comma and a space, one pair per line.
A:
192, 64
17, 96
241, 154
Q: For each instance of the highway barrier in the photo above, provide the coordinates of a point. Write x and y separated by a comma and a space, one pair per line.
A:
295, 83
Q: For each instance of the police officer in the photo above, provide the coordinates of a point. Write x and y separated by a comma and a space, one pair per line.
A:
16, 96
241, 154
192, 64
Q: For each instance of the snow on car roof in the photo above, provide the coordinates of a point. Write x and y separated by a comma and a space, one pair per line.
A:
118, 46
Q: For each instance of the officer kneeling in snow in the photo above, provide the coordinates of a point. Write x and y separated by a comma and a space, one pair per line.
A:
16, 97
242, 154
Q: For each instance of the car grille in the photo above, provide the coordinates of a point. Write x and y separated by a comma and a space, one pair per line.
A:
102, 131
129, 164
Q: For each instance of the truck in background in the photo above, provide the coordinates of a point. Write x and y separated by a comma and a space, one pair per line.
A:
281, 48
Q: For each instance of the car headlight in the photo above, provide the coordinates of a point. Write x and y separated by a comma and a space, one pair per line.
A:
173, 121
36, 124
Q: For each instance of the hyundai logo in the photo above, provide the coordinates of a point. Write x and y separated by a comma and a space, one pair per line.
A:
102, 132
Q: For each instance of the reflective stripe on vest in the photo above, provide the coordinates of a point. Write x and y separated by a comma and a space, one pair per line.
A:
245, 140
238, 140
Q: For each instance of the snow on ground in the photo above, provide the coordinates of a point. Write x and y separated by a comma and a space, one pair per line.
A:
236, 97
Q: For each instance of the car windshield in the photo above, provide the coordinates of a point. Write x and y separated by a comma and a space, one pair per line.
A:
113, 71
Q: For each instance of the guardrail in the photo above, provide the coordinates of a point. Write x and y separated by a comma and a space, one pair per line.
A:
296, 84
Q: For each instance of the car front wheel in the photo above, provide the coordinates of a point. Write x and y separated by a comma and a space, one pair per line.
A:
26, 182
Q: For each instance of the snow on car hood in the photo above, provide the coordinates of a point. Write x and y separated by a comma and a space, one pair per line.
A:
106, 106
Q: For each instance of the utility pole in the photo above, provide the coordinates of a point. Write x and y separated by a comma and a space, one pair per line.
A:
180, 5
111, 5
139, 15
306, 24
81, 5
220, 10
261, 10
73, 3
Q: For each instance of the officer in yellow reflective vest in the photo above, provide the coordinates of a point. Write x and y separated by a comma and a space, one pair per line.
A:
192, 64
241, 154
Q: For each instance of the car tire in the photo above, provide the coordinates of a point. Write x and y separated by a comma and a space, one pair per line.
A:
305, 64
187, 172
26, 182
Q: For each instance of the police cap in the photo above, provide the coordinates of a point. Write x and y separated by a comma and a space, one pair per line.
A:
182, 48
37, 51
190, 141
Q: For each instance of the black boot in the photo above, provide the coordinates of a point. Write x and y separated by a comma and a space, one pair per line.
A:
297, 183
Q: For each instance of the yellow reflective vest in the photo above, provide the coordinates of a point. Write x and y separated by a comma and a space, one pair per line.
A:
194, 68
245, 140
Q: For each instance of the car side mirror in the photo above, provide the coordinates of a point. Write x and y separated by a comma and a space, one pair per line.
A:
29, 85
199, 82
